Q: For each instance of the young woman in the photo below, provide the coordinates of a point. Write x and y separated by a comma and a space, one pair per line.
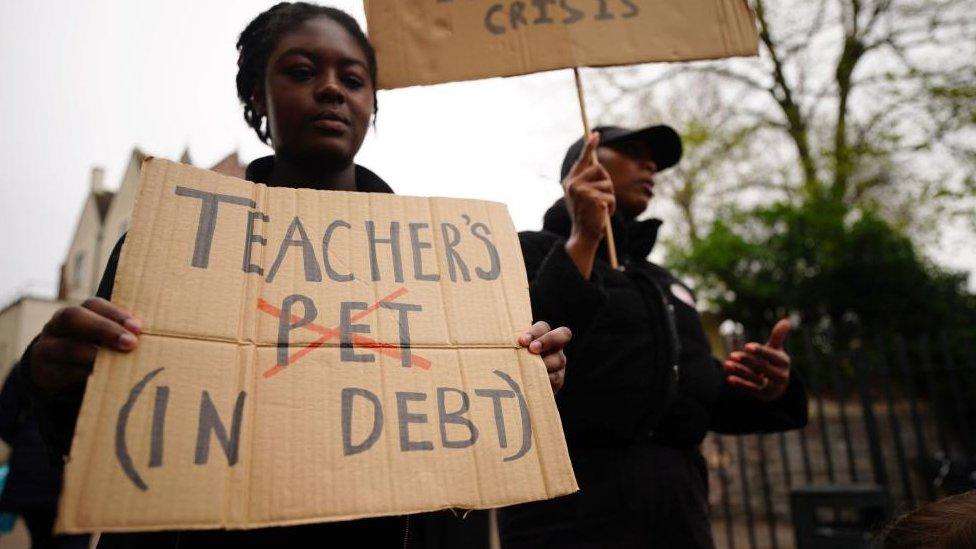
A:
307, 81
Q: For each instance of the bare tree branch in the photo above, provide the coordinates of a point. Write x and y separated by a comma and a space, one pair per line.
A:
797, 124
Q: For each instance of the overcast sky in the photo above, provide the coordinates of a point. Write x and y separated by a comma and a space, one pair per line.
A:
85, 82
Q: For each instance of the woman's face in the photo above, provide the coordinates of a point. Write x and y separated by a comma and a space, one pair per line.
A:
317, 95
632, 171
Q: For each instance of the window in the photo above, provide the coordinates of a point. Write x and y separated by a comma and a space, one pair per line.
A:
76, 270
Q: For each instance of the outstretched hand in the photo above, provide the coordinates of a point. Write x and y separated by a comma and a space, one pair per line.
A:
549, 344
761, 370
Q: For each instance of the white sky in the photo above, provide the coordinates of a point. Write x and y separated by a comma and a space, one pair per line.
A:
85, 82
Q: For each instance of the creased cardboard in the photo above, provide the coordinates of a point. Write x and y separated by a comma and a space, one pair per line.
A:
312, 356
433, 41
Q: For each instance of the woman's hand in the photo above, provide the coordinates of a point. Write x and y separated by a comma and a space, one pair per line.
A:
762, 370
541, 340
590, 201
64, 353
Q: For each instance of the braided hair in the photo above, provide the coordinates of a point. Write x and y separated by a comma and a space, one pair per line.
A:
259, 39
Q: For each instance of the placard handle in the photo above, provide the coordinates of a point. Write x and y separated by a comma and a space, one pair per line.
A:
611, 245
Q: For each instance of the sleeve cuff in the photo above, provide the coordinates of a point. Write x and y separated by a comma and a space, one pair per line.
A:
56, 413
793, 403
561, 296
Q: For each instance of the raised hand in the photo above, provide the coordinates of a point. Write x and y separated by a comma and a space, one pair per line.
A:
590, 201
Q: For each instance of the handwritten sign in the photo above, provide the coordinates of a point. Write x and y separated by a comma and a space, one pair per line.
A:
433, 41
312, 356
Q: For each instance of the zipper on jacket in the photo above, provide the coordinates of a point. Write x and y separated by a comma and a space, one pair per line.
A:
673, 326
672, 322
406, 532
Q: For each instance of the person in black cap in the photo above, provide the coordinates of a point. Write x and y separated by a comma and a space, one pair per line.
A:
644, 388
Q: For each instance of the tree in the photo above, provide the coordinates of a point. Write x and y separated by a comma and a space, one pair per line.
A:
807, 169
868, 102
825, 264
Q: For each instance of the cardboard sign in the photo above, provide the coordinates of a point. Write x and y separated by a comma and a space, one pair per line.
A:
312, 356
433, 41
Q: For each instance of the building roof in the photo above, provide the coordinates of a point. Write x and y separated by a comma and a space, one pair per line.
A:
230, 165
103, 199
24, 297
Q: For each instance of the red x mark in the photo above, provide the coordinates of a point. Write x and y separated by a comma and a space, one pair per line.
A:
330, 333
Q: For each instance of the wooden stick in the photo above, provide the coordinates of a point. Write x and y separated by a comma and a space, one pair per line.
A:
611, 245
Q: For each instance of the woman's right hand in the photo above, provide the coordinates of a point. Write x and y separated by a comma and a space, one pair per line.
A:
64, 353
590, 201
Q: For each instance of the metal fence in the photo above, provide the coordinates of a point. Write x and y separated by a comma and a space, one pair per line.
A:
887, 414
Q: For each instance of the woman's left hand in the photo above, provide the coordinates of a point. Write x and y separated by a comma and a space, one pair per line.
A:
762, 370
549, 344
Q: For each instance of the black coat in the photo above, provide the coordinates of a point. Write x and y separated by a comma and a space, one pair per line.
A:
642, 389
33, 481
640, 364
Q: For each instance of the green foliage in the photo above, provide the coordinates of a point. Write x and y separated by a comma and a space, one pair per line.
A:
815, 175
826, 261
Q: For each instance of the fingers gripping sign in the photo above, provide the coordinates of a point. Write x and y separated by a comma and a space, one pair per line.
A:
762, 370
65, 351
589, 193
549, 344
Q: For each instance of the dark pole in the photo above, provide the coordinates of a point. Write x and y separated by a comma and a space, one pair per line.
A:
862, 370
962, 415
813, 379
933, 387
723, 478
921, 448
767, 492
885, 376
844, 424
746, 496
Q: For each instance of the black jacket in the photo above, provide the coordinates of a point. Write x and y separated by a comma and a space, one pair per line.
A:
640, 366
58, 416
33, 481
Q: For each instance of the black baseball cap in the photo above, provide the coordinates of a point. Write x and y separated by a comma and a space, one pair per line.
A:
664, 141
